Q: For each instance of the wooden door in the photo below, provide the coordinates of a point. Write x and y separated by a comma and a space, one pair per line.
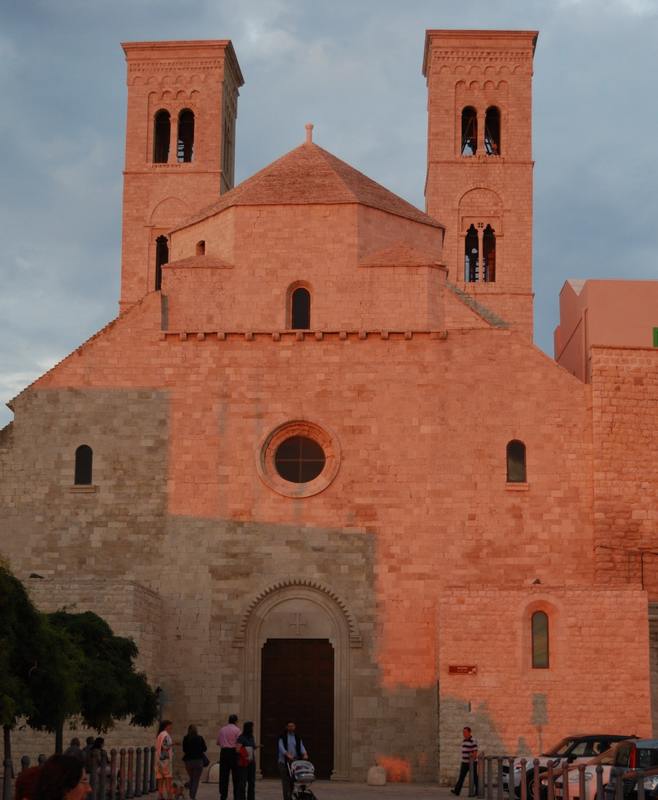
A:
297, 685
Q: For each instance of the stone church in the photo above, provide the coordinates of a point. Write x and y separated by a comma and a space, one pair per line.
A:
316, 466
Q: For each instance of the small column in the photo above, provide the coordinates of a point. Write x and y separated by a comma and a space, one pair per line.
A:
173, 139
480, 270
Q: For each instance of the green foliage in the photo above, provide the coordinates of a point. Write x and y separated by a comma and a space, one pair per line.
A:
54, 679
109, 686
20, 630
54, 666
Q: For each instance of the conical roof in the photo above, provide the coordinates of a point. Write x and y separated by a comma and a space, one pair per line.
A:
310, 175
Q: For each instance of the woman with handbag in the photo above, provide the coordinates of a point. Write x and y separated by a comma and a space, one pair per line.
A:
247, 762
164, 758
194, 758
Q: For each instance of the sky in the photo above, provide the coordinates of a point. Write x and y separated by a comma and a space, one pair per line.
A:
353, 68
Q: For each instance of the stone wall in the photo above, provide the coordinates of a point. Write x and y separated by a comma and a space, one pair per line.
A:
513, 708
624, 400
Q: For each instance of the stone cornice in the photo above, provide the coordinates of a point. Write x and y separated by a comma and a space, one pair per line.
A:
300, 336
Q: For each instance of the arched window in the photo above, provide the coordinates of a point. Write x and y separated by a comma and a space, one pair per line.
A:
492, 131
185, 144
489, 255
83, 463
471, 252
201, 248
300, 308
161, 257
161, 135
516, 472
469, 131
539, 625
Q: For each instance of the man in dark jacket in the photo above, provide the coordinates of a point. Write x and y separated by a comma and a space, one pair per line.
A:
290, 748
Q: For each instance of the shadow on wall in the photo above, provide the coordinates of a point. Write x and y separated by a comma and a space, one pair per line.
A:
454, 715
401, 736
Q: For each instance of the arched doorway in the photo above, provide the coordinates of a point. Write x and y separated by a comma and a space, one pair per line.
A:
297, 684
291, 630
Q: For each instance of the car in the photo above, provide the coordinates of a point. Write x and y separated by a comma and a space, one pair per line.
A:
637, 759
606, 761
570, 750
630, 780
624, 758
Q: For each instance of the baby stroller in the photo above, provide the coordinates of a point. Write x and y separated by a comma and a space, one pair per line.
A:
302, 775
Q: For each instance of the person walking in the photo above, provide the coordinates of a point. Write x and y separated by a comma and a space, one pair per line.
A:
290, 748
227, 739
247, 762
469, 756
194, 750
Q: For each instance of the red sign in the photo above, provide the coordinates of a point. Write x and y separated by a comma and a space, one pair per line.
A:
462, 669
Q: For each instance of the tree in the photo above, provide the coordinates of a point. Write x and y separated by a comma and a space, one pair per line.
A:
38, 664
55, 681
19, 628
110, 688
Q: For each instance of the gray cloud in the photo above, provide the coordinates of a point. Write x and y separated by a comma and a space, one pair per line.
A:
352, 68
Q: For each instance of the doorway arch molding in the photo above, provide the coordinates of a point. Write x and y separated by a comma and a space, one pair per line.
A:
276, 588
252, 634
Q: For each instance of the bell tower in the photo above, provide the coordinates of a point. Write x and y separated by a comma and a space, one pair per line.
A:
479, 163
180, 147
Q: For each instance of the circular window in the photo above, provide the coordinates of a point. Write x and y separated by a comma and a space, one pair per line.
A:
298, 459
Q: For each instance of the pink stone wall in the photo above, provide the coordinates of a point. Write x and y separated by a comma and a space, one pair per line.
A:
624, 402
204, 77
423, 470
483, 69
603, 312
327, 242
514, 708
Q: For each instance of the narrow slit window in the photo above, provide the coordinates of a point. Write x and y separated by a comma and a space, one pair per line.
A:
201, 248
516, 468
489, 255
83, 465
469, 131
185, 146
492, 131
472, 247
161, 257
161, 135
300, 309
539, 624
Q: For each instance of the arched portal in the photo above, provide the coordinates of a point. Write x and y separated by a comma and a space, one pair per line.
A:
305, 612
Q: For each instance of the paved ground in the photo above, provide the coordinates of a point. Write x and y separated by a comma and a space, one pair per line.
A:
339, 790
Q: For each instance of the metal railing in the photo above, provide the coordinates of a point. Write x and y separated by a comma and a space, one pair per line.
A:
120, 775
488, 779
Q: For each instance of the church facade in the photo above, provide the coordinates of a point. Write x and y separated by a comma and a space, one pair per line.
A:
316, 466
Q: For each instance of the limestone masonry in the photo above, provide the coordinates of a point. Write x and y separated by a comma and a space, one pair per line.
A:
317, 468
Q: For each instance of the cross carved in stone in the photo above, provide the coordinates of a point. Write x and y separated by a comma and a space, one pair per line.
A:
297, 624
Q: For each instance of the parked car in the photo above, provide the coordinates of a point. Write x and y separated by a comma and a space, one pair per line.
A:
630, 780
636, 760
623, 759
606, 761
570, 750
